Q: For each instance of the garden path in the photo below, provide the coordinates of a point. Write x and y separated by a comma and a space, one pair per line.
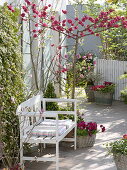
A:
114, 118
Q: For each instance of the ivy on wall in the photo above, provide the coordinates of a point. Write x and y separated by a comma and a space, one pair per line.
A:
11, 84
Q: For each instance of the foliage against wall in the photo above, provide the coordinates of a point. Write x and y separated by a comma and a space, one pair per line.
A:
11, 84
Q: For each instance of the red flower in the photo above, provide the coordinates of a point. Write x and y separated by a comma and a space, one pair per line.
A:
125, 136
64, 11
107, 83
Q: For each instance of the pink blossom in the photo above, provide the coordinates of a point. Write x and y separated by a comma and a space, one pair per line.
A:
35, 16
23, 15
35, 35
25, 8
44, 25
78, 56
76, 19
28, 2
81, 76
36, 25
34, 30
11, 8
52, 18
40, 30
69, 21
59, 47
66, 56
45, 8
49, 5
97, 34
84, 57
64, 11
52, 45
64, 70
76, 27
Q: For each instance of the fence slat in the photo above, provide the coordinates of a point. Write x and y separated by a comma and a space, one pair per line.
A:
111, 70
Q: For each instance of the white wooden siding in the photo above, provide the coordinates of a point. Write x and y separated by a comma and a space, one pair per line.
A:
111, 70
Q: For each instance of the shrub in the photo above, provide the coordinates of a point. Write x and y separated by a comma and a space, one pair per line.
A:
11, 84
50, 93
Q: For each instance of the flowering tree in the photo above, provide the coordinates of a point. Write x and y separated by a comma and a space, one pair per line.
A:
75, 28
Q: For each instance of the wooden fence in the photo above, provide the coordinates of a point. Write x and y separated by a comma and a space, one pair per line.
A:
111, 70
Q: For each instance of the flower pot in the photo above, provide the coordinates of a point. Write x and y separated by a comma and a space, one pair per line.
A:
103, 98
85, 141
89, 93
120, 161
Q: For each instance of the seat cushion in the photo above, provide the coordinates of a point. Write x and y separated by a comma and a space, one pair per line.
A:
51, 122
49, 131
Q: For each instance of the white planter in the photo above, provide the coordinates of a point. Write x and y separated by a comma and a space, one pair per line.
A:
85, 141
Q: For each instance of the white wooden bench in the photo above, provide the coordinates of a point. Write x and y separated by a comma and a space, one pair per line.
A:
36, 126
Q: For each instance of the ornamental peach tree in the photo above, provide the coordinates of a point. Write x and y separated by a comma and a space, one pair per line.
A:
76, 28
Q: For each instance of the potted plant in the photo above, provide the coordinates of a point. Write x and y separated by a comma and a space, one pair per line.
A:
86, 133
104, 93
124, 95
119, 150
91, 79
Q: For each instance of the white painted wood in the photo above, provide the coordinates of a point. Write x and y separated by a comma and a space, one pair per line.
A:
111, 70
31, 115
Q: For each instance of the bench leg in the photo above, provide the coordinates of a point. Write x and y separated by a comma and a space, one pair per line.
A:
75, 136
21, 155
57, 156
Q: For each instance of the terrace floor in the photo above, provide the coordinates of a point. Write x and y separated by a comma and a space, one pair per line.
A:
114, 118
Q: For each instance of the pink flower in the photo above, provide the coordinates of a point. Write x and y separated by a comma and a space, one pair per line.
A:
11, 8
64, 70
76, 19
44, 25
52, 45
59, 47
40, 31
45, 8
35, 35
125, 136
78, 56
64, 11
23, 15
25, 8
52, 18
97, 34
66, 56
84, 57
69, 21
28, 2
34, 30
81, 76
36, 25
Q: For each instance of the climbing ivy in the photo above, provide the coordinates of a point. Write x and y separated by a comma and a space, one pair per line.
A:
11, 85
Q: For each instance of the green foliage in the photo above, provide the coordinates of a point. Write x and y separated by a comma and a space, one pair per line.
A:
117, 147
11, 84
50, 93
114, 40
84, 66
124, 95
